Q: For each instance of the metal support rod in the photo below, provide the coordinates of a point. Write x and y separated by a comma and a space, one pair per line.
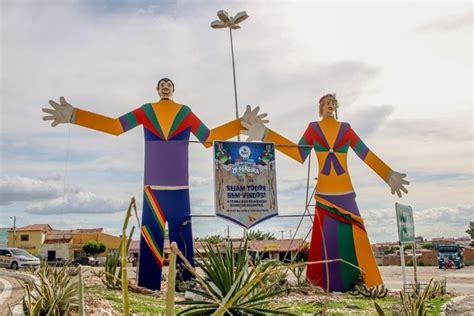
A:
278, 216
14, 231
235, 83
306, 210
402, 262
417, 286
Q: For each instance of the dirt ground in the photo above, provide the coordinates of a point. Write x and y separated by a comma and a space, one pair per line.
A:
458, 281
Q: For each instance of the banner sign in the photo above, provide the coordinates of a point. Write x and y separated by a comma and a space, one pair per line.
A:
406, 226
245, 182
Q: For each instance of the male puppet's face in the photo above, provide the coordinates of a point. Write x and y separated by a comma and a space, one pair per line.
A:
165, 89
329, 105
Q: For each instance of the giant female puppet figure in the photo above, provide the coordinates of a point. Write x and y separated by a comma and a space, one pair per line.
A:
167, 126
338, 229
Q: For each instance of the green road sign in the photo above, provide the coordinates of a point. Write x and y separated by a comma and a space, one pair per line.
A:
406, 226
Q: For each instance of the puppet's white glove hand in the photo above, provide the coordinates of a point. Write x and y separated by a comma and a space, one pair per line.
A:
61, 113
396, 181
254, 124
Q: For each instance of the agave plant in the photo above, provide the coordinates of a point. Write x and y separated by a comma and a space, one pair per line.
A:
232, 287
113, 266
298, 270
55, 293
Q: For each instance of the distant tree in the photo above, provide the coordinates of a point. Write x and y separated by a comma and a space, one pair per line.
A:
389, 251
213, 239
428, 246
407, 247
259, 235
93, 248
470, 230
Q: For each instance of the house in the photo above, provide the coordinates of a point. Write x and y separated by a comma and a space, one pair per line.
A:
48, 243
3, 237
443, 241
57, 244
30, 237
81, 236
265, 249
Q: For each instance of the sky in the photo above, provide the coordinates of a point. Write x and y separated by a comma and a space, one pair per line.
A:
402, 72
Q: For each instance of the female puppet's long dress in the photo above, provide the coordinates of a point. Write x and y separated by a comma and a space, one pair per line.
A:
338, 229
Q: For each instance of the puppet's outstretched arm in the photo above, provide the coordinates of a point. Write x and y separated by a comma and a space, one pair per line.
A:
299, 152
394, 179
225, 131
66, 113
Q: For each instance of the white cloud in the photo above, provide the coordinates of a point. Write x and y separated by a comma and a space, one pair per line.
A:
79, 203
448, 23
431, 222
49, 196
16, 188
458, 215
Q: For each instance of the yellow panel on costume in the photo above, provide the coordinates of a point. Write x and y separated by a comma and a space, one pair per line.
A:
330, 128
333, 183
366, 258
165, 112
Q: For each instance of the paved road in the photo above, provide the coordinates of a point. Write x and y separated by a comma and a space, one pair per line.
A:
461, 306
460, 282
11, 293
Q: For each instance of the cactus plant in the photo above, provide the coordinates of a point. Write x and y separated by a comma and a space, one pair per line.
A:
81, 303
414, 304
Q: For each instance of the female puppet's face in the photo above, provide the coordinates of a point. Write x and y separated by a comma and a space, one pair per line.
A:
165, 89
328, 106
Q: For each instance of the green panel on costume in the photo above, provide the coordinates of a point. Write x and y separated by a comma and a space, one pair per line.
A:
179, 118
347, 252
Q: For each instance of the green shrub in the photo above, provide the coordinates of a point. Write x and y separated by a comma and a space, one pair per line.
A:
93, 248
231, 286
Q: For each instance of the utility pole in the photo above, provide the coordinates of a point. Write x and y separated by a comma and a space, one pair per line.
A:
14, 231
282, 231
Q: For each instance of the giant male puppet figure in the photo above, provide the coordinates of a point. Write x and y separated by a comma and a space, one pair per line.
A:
338, 228
167, 126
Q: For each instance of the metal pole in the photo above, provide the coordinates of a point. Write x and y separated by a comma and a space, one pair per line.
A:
14, 231
402, 262
235, 84
414, 268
